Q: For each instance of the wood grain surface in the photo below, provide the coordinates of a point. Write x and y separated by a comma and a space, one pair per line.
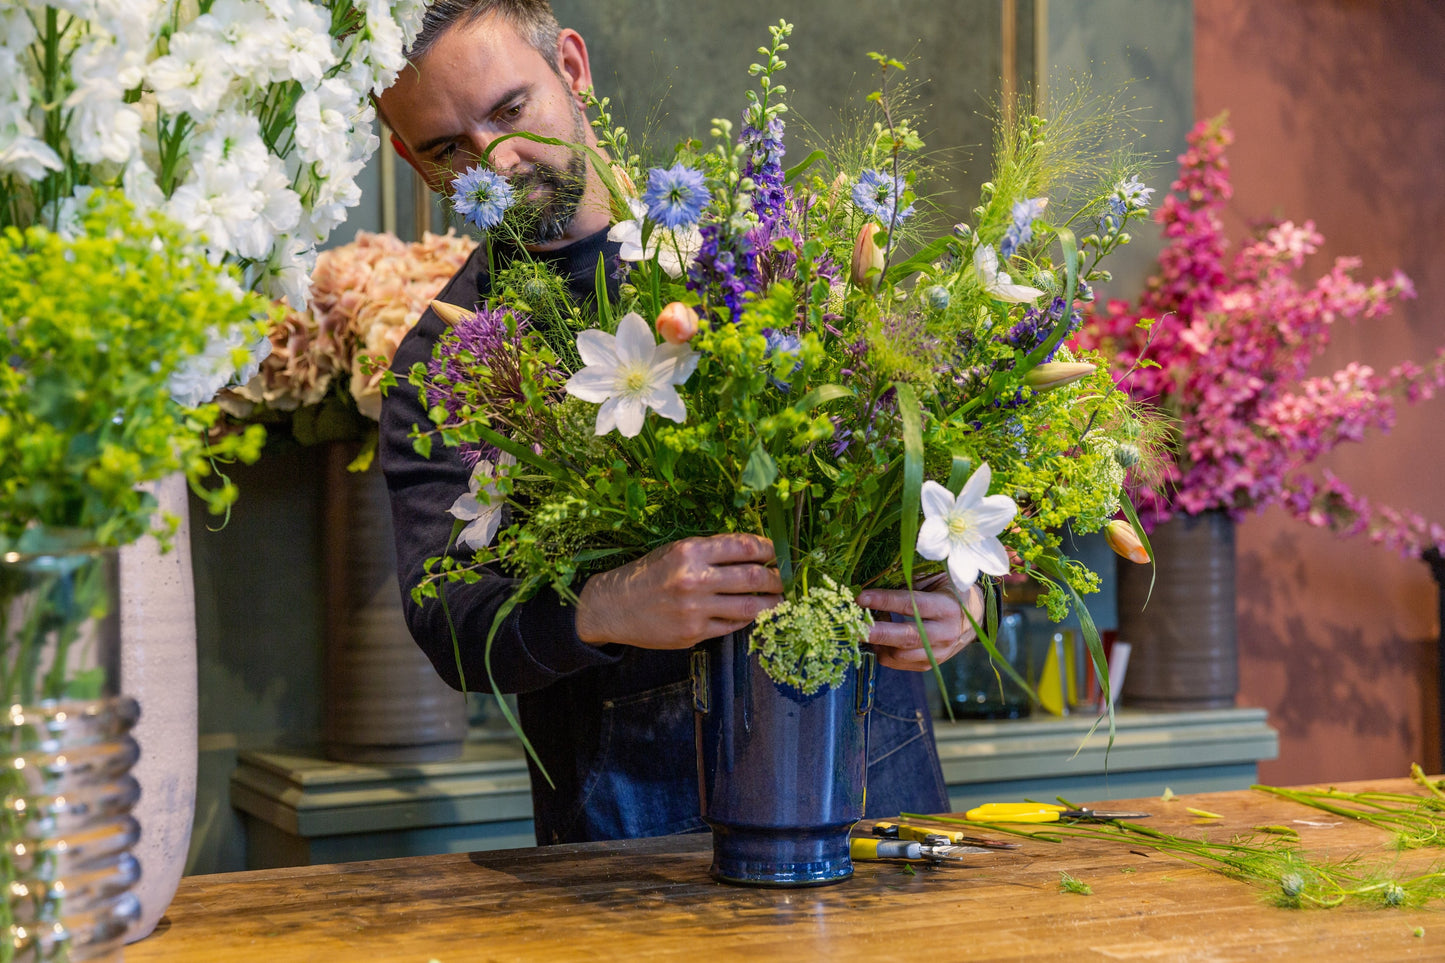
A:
651, 899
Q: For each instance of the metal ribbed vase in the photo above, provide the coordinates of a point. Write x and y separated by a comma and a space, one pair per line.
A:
1184, 654
782, 774
66, 754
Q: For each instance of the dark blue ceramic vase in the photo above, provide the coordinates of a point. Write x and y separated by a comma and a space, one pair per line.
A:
781, 774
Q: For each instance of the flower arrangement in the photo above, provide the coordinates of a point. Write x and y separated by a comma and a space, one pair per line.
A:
245, 121
1224, 346
101, 329
326, 362
883, 404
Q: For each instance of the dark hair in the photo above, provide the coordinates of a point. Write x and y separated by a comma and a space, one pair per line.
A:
532, 19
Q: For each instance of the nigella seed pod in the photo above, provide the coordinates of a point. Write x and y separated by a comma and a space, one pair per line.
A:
677, 323
1127, 455
867, 257
1293, 884
936, 296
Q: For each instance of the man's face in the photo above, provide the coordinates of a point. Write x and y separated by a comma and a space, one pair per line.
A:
481, 81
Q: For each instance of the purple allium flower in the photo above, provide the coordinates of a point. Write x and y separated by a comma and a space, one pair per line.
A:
675, 196
1021, 231
876, 195
481, 196
477, 365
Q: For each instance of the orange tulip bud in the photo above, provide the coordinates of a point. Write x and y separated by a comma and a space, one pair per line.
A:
449, 313
677, 323
867, 257
1125, 541
1056, 374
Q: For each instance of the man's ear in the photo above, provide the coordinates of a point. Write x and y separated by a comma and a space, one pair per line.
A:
406, 155
572, 61
400, 148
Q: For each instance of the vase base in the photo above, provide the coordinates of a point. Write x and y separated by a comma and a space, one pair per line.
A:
393, 755
784, 858
1160, 704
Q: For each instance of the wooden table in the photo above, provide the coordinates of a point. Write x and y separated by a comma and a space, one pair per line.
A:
651, 899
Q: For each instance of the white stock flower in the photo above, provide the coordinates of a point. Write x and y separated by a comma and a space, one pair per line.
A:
303, 51
323, 127
103, 127
216, 203
232, 135
996, 282
628, 373
965, 529
481, 506
23, 153
287, 274
193, 77
205, 374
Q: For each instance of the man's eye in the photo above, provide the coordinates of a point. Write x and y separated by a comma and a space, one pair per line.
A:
512, 112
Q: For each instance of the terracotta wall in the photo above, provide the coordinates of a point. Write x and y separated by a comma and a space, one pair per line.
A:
1338, 108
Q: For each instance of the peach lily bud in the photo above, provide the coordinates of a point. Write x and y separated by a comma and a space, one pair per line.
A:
1056, 374
449, 313
1125, 541
677, 323
867, 256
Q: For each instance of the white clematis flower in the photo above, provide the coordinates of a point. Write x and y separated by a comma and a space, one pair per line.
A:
628, 373
996, 282
481, 506
663, 244
965, 529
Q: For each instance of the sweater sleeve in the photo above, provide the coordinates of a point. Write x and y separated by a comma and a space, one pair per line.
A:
536, 643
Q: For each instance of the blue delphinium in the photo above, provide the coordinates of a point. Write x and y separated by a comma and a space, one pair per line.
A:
1021, 231
764, 150
1130, 195
481, 197
675, 196
876, 194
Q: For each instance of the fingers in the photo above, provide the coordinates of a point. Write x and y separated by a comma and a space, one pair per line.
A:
729, 549
899, 644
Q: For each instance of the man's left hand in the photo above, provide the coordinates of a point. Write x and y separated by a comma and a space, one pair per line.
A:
898, 643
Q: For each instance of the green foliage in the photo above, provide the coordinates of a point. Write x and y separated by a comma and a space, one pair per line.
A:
822, 400
95, 327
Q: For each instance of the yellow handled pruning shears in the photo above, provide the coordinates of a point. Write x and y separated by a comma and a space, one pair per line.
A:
1042, 813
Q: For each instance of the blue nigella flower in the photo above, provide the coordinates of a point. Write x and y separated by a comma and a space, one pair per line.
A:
481, 197
675, 196
785, 343
876, 195
1021, 231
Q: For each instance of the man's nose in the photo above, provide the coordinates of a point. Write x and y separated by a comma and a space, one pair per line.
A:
504, 154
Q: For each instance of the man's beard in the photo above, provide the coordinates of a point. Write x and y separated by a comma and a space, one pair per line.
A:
549, 216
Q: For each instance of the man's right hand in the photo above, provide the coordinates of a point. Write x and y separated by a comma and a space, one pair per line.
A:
682, 593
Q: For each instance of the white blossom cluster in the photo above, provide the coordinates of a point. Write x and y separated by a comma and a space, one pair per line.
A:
246, 121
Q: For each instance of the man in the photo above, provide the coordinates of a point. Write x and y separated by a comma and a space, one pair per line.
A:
603, 687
